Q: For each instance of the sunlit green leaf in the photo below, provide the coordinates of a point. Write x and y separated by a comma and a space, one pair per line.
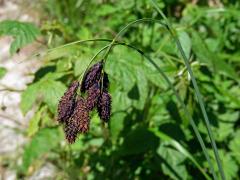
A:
22, 32
34, 123
64, 65
81, 65
117, 124
29, 97
235, 146
44, 141
186, 42
172, 166
52, 92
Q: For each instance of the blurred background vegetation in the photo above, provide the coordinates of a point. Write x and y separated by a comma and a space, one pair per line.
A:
148, 136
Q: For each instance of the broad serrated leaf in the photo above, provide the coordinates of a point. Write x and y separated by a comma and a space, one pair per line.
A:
122, 68
230, 116
52, 92
179, 148
142, 84
226, 125
29, 96
200, 49
153, 74
228, 162
22, 32
44, 141
211, 59
185, 42
225, 68
230, 166
173, 161
120, 102
117, 124
234, 145
34, 122
64, 65
223, 131
81, 65
53, 76
106, 9
47, 88
78, 145
96, 142
60, 52
138, 141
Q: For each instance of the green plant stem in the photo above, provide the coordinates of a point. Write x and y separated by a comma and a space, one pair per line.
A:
63, 46
194, 82
203, 109
77, 42
122, 31
92, 59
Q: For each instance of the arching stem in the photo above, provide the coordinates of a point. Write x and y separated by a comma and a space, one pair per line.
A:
178, 98
199, 97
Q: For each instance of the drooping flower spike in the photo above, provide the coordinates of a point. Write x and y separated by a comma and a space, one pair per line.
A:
79, 121
104, 106
73, 109
92, 76
67, 103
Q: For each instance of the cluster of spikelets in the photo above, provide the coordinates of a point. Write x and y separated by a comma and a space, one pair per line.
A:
74, 109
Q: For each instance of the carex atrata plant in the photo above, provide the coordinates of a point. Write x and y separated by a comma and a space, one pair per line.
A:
95, 76
74, 109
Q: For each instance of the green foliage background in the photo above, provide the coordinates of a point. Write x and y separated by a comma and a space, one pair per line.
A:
149, 136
